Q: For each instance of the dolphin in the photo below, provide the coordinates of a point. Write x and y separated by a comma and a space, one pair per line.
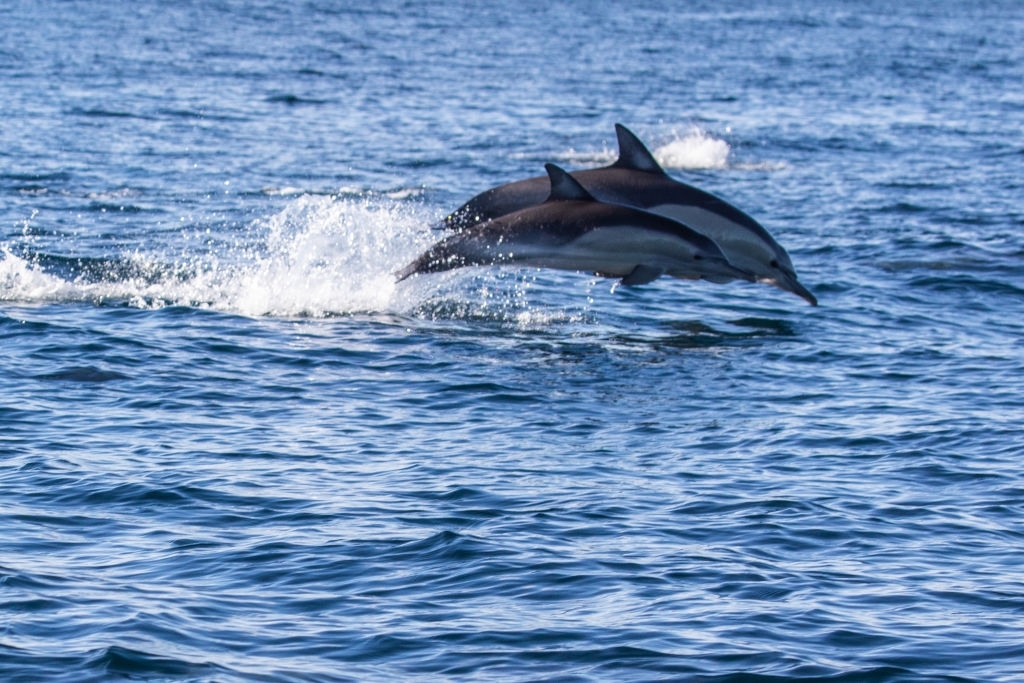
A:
572, 230
636, 179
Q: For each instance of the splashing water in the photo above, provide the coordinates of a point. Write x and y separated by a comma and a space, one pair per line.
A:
319, 256
696, 150
324, 256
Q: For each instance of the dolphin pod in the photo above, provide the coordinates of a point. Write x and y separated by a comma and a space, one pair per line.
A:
572, 230
634, 180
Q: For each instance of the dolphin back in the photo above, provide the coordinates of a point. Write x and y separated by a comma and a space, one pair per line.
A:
498, 201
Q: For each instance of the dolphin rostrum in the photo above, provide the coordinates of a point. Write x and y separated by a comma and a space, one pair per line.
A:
572, 230
636, 179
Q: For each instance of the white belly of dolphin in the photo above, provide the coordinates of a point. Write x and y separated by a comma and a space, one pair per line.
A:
744, 248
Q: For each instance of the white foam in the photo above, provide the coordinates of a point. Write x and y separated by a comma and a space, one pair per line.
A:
322, 256
20, 280
695, 150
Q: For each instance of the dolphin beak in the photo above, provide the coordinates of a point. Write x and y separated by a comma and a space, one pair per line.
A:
789, 283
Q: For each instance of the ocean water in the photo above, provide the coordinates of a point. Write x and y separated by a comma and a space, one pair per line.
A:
232, 448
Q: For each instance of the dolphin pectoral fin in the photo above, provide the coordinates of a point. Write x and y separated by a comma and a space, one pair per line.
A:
641, 275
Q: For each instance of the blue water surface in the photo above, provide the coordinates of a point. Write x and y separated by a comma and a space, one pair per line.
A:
232, 448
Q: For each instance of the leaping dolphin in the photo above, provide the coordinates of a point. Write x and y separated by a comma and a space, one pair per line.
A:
636, 179
572, 230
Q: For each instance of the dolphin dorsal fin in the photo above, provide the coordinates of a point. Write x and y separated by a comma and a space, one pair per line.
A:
564, 186
633, 154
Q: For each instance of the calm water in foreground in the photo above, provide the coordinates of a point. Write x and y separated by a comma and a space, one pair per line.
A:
233, 449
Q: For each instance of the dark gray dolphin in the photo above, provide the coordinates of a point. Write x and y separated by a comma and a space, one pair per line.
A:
636, 179
572, 230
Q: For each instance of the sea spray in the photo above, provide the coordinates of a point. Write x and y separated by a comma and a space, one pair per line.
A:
318, 256
697, 149
326, 256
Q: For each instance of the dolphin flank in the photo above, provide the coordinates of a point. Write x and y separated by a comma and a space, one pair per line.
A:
636, 179
572, 230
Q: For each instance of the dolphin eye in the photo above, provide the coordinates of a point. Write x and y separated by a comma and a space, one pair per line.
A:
697, 257
773, 263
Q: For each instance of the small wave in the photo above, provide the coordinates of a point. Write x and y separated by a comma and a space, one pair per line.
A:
398, 194
100, 112
114, 195
85, 374
114, 207
292, 99
760, 166
286, 191
124, 662
587, 158
33, 190
57, 176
